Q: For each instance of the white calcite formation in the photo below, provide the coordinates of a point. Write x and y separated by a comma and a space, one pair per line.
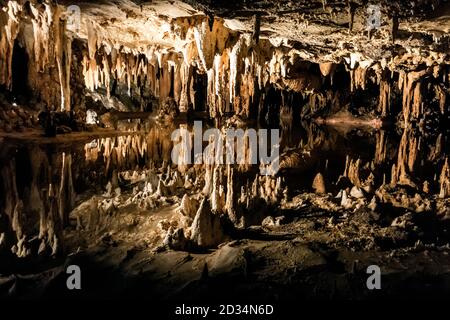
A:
206, 229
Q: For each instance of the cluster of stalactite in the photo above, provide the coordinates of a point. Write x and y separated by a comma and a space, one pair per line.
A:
424, 89
45, 202
140, 77
239, 71
210, 65
40, 28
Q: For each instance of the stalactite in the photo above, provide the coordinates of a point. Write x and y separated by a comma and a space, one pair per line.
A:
351, 8
328, 69
63, 55
185, 78
230, 201
410, 85
358, 78
235, 61
385, 93
205, 47
9, 23
37, 205
394, 25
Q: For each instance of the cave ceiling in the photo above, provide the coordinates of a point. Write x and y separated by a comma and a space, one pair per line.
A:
317, 30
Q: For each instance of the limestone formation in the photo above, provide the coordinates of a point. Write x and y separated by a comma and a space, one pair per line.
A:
207, 230
319, 184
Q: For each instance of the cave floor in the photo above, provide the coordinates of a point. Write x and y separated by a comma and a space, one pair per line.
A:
313, 257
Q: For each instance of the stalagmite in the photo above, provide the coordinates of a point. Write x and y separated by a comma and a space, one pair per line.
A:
346, 202
217, 197
17, 223
63, 56
319, 184
358, 78
206, 230
162, 190
188, 206
230, 196
356, 192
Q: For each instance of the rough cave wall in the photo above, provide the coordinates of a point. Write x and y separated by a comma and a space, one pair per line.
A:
40, 28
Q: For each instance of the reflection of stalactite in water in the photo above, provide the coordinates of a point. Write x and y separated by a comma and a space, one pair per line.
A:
406, 160
352, 168
66, 193
381, 147
437, 150
128, 151
445, 181
39, 167
11, 196
41, 210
